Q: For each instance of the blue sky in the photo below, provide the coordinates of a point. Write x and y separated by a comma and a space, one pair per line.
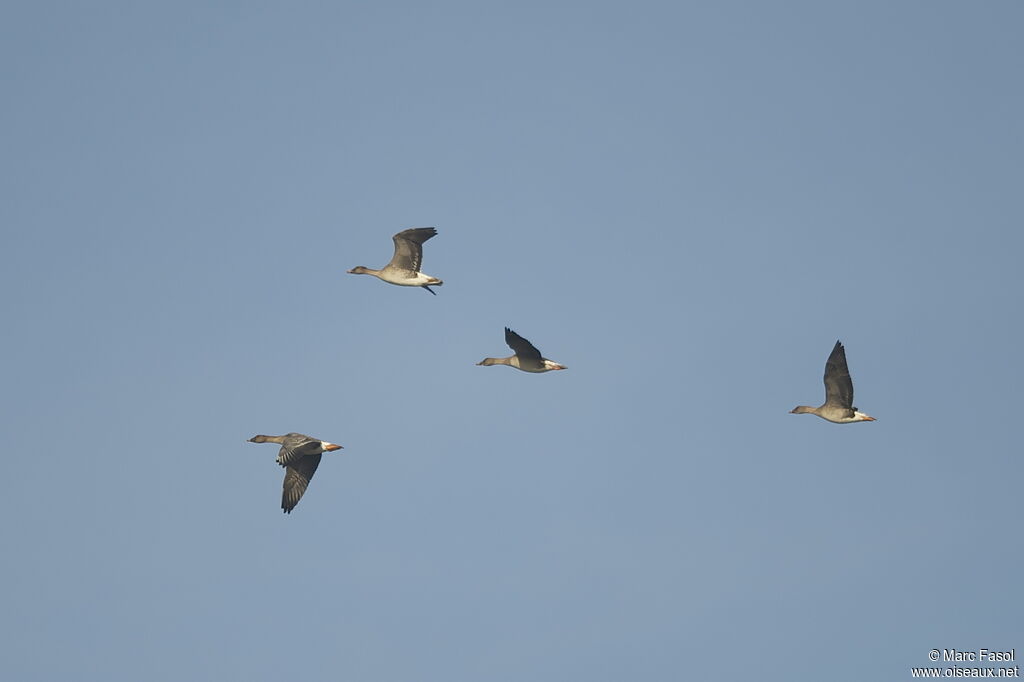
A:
687, 204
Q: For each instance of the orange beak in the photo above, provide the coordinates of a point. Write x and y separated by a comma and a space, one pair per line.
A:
331, 446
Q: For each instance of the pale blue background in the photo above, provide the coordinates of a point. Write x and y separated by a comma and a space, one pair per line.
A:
686, 203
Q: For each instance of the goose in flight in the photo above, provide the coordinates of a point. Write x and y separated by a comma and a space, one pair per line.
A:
300, 455
404, 268
526, 358
838, 405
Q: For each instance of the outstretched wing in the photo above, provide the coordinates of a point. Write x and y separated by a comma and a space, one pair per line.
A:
838, 384
523, 348
296, 480
409, 248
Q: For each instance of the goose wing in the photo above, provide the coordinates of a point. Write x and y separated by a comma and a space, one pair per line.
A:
523, 348
409, 248
838, 384
296, 480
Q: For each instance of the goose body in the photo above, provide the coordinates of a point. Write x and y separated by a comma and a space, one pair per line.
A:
838, 406
404, 268
527, 358
300, 455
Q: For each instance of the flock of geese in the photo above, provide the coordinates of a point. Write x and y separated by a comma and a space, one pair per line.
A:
300, 454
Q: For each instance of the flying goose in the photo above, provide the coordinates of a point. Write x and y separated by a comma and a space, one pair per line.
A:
838, 405
527, 357
300, 454
404, 268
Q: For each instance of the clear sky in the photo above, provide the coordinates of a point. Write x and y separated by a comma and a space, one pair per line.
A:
686, 203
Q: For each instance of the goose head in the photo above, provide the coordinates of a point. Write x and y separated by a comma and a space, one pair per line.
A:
264, 439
